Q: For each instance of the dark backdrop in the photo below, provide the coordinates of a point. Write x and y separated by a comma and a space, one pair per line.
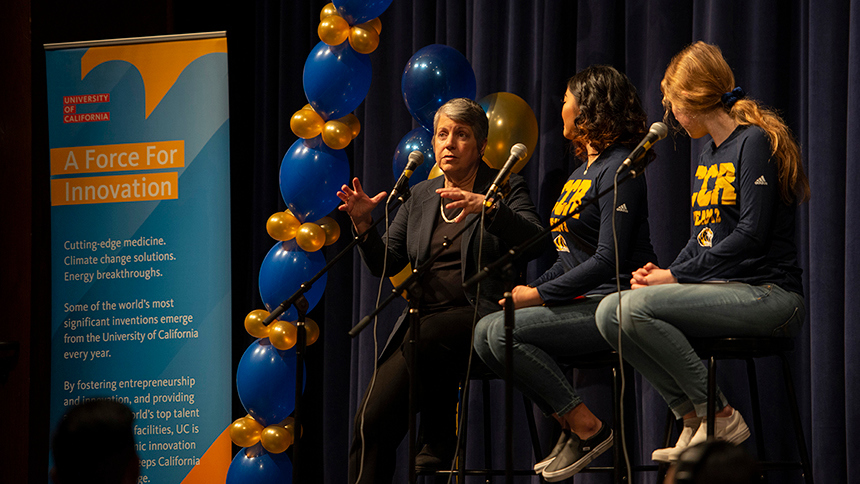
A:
800, 57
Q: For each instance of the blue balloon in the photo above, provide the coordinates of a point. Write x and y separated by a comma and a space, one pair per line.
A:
266, 382
256, 465
336, 79
433, 76
360, 11
311, 174
283, 271
419, 139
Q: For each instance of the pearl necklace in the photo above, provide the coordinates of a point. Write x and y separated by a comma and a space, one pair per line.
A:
442, 211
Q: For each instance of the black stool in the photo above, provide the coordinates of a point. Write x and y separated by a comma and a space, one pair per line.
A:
748, 349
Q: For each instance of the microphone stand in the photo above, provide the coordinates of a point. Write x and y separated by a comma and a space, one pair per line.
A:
413, 291
504, 263
301, 303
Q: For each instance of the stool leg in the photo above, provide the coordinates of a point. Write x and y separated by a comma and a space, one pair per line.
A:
756, 408
530, 420
712, 395
798, 425
461, 432
618, 461
663, 467
488, 454
670, 424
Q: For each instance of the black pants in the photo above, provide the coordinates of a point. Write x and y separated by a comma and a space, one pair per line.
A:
442, 357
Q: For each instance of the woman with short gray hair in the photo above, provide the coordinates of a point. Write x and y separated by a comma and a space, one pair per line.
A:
435, 213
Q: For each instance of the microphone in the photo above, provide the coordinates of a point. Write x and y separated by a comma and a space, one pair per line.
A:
518, 152
657, 132
416, 159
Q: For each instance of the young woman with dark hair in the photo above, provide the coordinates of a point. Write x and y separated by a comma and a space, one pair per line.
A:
738, 274
554, 315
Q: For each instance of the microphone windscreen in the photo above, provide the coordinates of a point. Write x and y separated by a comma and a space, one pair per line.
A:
416, 158
660, 129
519, 150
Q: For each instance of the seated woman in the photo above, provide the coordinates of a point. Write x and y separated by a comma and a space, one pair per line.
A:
554, 315
738, 274
447, 311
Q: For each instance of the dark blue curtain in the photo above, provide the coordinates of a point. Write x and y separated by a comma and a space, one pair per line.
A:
800, 57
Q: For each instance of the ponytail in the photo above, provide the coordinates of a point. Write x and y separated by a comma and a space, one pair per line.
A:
793, 184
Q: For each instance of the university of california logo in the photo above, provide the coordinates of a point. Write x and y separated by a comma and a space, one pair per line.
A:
706, 237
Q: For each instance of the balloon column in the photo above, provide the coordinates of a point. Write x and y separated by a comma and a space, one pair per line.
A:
336, 79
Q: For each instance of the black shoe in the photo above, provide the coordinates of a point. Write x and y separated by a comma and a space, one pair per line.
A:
540, 466
577, 454
433, 458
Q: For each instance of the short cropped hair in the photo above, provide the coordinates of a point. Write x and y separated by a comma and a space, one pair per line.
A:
466, 111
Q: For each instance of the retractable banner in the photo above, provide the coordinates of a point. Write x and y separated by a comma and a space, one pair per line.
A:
140, 243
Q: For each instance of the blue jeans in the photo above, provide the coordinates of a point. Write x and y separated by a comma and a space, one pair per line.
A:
539, 335
658, 319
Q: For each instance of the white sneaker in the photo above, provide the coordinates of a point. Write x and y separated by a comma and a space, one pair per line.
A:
732, 429
670, 454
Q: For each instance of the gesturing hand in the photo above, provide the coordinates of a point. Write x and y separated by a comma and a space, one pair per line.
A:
358, 205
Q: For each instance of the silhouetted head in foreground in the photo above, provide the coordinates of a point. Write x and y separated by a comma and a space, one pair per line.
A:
94, 444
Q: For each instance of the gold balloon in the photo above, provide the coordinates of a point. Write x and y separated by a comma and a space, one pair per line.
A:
353, 123
363, 40
282, 334
312, 331
254, 323
282, 226
328, 11
245, 431
332, 229
306, 123
375, 24
310, 237
336, 135
290, 424
434, 172
276, 439
333, 30
511, 121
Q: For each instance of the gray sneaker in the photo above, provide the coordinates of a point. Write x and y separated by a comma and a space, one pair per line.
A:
540, 466
577, 454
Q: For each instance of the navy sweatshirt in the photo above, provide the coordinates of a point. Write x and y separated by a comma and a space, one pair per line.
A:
586, 258
742, 231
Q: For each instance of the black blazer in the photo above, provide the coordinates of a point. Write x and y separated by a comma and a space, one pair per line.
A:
514, 221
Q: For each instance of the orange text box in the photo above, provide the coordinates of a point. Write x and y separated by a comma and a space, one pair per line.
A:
113, 189
121, 157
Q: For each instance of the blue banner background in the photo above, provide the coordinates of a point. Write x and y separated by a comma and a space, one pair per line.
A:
196, 231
